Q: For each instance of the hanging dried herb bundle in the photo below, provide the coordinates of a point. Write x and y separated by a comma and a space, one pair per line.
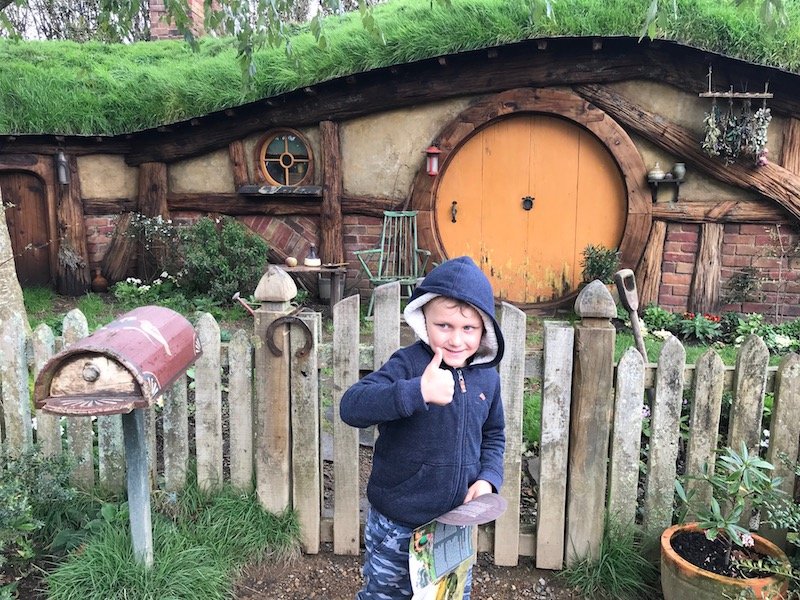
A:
731, 135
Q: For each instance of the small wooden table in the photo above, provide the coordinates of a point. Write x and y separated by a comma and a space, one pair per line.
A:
337, 274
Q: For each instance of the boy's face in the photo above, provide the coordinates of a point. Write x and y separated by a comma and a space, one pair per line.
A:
455, 328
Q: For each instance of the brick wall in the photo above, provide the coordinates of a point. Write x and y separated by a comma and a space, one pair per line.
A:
160, 30
771, 251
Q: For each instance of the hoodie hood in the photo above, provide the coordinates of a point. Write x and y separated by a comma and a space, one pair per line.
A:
459, 278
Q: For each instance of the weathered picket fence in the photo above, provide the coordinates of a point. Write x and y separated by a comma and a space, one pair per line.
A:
271, 419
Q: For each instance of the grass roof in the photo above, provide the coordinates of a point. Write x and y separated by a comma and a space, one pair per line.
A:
99, 89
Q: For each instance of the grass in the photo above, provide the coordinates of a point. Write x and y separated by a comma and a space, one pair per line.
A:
199, 543
93, 88
620, 571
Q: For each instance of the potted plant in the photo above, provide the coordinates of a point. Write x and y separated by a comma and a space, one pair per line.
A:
600, 263
713, 557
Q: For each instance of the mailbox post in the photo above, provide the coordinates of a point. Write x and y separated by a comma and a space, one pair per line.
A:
123, 368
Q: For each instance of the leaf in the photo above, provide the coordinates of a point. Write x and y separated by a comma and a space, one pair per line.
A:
109, 512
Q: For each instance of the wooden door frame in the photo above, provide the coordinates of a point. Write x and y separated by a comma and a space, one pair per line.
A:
554, 102
43, 168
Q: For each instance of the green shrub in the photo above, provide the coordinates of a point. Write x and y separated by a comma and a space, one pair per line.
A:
658, 319
221, 257
700, 328
600, 263
32, 487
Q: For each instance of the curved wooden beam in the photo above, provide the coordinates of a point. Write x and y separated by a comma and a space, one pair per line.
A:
771, 180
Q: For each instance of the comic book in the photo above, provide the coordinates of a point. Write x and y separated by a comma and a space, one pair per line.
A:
441, 552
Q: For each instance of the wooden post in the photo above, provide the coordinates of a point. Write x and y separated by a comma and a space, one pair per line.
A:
306, 460
272, 406
648, 273
331, 237
138, 486
709, 383
48, 425
626, 438
590, 421
750, 382
208, 403
238, 159
240, 400
346, 523
665, 433
153, 187
559, 340
16, 403
176, 436
704, 294
72, 271
512, 379
80, 436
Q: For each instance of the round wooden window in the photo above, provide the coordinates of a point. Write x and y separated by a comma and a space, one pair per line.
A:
284, 157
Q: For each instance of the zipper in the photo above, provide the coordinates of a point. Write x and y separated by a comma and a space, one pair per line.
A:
461, 383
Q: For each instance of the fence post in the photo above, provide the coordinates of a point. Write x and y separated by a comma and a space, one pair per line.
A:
240, 403
750, 382
208, 406
664, 436
590, 421
80, 436
512, 379
272, 413
784, 431
306, 459
559, 341
346, 495
709, 383
176, 435
627, 438
16, 400
48, 425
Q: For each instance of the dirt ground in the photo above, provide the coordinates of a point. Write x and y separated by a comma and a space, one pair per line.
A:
326, 576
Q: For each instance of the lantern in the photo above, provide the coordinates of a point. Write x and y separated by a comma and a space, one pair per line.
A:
432, 160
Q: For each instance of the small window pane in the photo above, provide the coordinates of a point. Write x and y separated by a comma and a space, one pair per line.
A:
285, 158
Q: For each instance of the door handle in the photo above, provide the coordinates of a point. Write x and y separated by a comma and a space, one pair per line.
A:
527, 202
453, 211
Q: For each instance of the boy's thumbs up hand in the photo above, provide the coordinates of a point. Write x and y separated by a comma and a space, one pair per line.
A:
437, 385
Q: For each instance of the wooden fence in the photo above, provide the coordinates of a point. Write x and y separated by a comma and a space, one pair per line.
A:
263, 412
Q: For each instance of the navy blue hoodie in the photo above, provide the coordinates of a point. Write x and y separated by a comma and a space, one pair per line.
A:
427, 456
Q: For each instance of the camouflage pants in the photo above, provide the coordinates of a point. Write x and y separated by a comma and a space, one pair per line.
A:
386, 560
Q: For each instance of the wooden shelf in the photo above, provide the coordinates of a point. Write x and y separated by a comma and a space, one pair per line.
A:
744, 95
654, 183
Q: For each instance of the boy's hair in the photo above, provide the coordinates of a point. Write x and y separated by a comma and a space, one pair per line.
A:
454, 303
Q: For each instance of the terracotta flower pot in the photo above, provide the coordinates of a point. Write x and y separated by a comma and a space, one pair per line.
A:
681, 580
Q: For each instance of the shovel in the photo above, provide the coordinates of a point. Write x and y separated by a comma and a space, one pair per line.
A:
626, 286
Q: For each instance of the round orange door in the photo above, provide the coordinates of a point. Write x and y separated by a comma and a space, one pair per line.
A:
523, 197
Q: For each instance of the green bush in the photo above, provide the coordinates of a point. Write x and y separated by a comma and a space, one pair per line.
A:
700, 328
32, 487
221, 257
658, 319
600, 263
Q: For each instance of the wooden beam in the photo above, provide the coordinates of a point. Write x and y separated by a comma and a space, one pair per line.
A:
790, 158
648, 272
236, 154
771, 180
108, 206
331, 231
72, 271
721, 211
153, 187
704, 293
279, 205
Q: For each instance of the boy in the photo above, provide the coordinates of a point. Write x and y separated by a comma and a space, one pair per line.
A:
440, 419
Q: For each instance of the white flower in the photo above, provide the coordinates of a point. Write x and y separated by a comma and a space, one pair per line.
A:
164, 275
645, 411
782, 341
662, 334
747, 540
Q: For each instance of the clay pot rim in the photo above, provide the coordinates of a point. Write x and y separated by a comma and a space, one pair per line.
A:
761, 544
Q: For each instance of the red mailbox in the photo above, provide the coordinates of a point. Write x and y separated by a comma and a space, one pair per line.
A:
125, 365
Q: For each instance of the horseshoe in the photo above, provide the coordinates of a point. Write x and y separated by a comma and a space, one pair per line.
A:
289, 319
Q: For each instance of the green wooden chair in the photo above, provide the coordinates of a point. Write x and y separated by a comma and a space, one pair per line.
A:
397, 258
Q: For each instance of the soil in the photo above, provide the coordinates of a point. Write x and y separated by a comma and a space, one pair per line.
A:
710, 554
326, 576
